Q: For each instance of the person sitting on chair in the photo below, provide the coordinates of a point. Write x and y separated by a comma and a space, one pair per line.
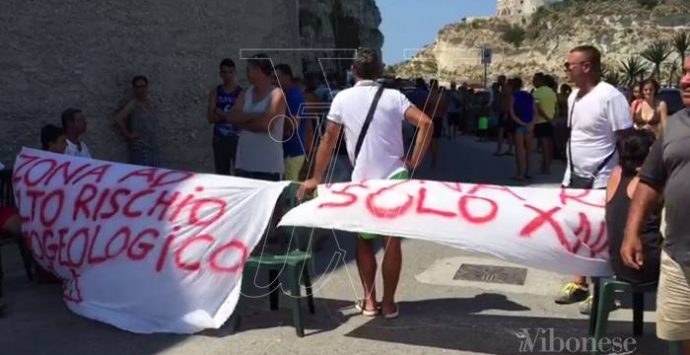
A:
619, 193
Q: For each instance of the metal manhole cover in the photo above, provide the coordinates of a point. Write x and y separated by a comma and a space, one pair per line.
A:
493, 274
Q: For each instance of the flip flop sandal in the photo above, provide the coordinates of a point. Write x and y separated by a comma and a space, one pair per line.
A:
359, 306
394, 314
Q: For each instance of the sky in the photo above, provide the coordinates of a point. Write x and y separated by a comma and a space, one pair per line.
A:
415, 23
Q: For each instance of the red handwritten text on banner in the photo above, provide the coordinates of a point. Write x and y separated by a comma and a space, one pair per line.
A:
550, 228
142, 248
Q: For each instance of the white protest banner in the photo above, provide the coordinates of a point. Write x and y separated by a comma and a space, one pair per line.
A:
144, 249
558, 230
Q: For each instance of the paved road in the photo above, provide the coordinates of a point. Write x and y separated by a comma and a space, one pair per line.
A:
439, 315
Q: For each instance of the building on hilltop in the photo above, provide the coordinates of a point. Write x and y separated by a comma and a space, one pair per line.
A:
520, 7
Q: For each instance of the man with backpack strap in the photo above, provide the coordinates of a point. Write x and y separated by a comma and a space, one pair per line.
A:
372, 119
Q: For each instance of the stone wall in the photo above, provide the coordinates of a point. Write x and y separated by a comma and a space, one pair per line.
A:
62, 53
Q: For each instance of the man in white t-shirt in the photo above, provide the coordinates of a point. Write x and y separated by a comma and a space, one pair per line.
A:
599, 117
74, 125
381, 156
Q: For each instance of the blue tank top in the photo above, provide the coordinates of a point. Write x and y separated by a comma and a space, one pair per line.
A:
524, 106
225, 101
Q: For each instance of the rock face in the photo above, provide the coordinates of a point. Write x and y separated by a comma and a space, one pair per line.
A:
345, 24
76, 53
619, 28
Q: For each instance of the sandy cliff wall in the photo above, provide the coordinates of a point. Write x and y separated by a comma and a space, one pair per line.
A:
620, 28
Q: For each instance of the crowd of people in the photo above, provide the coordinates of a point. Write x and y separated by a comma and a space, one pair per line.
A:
505, 112
625, 146
274, 129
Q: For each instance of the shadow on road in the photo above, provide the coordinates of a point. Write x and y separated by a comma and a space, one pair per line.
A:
430, 323
38, 322
331, 313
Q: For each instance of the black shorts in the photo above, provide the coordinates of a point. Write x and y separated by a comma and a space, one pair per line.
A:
438, 127
224, 151
510, 126
454, 118
504, 121
543, 130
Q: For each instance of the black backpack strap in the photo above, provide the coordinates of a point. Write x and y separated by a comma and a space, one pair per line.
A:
605, 162
367, 122
570, 151
570, 137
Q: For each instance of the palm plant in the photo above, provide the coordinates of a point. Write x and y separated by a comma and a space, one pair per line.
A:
657, 54
672, 73
681, 44
614, 78
633, 70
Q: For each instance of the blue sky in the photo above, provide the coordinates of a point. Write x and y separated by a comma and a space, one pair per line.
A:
415, 23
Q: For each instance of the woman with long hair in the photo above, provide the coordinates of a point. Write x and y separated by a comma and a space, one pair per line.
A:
649, 112
636, 94
138, 122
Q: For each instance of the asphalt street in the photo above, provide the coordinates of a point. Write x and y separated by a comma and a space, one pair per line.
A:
439, 314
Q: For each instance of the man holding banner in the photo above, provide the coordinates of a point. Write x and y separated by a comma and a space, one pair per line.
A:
378, 154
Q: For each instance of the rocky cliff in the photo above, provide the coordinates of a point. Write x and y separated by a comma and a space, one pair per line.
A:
345, 24
620, 28
78, 53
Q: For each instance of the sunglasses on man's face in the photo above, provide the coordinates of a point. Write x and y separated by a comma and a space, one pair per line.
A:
140, 86
227, 72
568, 65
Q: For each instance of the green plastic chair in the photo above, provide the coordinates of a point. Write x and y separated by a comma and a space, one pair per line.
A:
294, 265
604, 292
675, 348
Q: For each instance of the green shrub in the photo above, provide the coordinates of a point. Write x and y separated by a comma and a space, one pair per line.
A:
513, 34
648, 4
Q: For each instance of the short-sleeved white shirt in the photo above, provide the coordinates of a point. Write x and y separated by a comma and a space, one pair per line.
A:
73, 150
595, 119
382, 153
